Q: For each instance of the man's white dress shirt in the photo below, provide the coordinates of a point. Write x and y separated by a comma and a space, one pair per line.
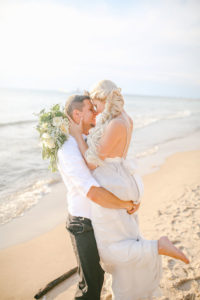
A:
77, 178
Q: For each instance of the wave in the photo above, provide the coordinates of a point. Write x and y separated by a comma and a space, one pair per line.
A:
179, 114
154, 149
142, 121
18, 123
147, 152
18, 203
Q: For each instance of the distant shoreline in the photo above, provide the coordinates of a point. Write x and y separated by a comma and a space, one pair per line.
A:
81, 91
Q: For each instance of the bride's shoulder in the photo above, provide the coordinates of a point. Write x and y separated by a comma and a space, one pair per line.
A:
117, 122
117, 126
124, 120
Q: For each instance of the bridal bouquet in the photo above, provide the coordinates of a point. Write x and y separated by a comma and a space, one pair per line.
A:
53, 127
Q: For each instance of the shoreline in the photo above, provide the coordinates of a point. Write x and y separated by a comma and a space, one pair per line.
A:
147, 164
54, 212
169, 206
51, 210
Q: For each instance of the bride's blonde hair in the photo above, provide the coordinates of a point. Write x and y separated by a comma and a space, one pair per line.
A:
104, 90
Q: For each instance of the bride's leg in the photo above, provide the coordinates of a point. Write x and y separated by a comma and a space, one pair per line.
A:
165, 247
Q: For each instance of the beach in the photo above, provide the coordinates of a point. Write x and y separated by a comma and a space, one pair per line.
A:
36, 247
141, 57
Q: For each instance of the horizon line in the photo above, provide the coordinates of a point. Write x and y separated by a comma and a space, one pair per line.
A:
79, 90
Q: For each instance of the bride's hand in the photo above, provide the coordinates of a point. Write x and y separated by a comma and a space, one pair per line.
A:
75, 129
129, 205
133, 209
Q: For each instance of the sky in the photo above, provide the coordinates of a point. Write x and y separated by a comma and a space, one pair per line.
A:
145, 47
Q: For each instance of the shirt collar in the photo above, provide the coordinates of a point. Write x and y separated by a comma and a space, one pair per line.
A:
83, 135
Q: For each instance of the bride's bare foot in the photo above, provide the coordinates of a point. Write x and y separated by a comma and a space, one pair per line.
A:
165, 247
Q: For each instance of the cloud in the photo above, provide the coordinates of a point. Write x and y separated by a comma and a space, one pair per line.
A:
58, 45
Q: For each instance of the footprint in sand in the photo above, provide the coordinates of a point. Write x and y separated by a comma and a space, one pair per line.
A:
181, 248
185, 209
184, 284
197, 279
188, 214
171, 264
173, 221
190, 296
175, 242
198, 233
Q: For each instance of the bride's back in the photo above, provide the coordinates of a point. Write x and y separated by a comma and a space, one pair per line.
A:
126, 125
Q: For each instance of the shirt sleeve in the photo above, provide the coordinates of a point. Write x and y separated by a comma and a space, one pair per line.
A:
74, 169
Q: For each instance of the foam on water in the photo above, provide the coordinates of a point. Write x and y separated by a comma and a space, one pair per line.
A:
143, 121
19, 122
148, 152
18, 203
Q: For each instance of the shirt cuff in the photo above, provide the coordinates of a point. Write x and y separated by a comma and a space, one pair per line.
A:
89, 185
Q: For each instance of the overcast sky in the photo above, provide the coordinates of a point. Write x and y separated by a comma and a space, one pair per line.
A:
146, 47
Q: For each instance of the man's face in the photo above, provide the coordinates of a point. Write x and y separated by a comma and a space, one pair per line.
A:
89, 116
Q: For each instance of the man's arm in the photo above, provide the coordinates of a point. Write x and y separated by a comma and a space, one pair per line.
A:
106, 199
74, 168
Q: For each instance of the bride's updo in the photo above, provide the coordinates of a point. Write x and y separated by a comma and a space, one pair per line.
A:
104, 90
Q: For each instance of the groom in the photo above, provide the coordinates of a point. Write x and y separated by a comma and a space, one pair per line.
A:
83, 188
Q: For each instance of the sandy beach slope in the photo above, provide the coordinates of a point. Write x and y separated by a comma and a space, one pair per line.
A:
170, 206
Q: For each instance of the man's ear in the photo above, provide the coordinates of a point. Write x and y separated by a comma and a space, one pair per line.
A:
76, 115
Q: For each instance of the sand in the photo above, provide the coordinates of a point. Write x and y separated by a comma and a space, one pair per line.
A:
170, 206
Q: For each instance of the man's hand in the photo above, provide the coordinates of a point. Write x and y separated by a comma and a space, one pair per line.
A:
134, 208
75, 129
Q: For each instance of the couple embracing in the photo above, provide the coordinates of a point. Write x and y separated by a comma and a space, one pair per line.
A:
104, 194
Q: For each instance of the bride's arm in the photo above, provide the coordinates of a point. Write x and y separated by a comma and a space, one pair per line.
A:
76, 132
83, 148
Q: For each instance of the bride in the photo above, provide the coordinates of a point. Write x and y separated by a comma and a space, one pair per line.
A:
133, 262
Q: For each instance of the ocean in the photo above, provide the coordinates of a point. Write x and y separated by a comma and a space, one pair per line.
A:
162, 126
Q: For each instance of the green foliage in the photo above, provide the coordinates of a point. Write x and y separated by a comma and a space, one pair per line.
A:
52, 137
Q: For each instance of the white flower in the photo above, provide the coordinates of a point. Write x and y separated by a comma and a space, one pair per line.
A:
57, 121
54, 132
49, 143
46, 136
65, 127
44, 125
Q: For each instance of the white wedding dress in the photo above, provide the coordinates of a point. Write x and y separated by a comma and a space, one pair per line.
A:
132, 261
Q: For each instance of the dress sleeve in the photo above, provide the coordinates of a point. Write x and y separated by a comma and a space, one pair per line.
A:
73, 167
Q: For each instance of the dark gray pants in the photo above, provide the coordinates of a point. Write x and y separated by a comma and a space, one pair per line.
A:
90, 272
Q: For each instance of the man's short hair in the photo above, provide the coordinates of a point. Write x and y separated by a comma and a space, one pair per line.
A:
75, 102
